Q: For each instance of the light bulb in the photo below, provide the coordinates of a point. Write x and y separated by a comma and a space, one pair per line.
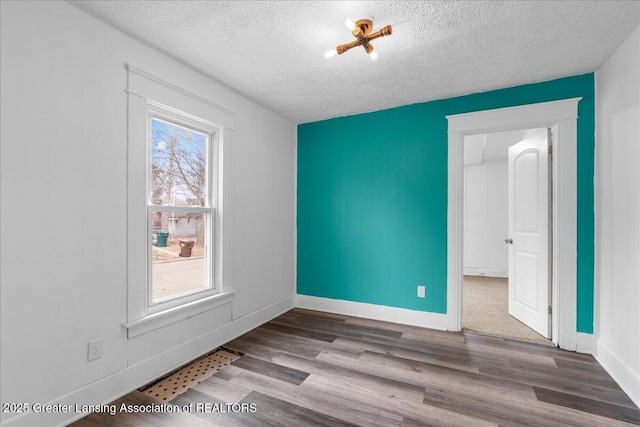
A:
350, 24
373, 55
330, 53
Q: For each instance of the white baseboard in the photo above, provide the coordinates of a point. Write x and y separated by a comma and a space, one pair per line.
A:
132, 377
584, 343
372, 311
627, 378
485, 272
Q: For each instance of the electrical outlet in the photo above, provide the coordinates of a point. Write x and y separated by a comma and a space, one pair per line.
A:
95, 349
420, 291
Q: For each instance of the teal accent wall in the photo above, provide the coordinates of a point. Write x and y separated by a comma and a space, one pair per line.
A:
372, 199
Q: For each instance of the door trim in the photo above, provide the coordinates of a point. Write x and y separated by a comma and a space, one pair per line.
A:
561, 117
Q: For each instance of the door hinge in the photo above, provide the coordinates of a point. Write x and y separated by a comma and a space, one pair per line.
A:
550, 310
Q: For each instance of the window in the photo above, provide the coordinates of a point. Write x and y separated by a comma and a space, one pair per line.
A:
175, 229
181, 179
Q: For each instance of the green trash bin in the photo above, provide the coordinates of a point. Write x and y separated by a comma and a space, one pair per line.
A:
162, 239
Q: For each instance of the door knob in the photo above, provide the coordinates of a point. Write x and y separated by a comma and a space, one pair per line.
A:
509, 241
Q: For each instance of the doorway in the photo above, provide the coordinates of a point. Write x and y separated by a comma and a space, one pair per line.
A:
507, 282
561, 117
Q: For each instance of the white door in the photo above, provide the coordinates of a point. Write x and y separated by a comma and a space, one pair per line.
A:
529, 277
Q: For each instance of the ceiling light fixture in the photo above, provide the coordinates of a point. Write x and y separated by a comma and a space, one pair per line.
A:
361, 30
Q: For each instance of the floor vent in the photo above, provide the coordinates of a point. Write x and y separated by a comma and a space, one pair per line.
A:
194, 373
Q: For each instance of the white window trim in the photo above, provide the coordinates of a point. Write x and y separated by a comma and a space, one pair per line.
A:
562, 116
177, 313
147, 96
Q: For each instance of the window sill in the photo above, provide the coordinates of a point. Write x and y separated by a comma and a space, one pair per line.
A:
175, 314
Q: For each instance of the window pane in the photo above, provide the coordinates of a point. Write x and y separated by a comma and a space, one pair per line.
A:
178, 165
179, 252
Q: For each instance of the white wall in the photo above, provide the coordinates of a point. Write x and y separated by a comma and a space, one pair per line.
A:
486, 219
617, 293
63, 224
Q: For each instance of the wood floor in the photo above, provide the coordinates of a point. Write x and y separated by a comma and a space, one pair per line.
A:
308, 368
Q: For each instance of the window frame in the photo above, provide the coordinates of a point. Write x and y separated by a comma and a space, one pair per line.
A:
148, 92
212, 131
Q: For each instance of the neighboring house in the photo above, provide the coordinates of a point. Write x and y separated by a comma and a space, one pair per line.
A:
177, 224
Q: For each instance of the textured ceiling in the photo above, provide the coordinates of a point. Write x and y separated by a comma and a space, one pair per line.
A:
488, 147
272, 51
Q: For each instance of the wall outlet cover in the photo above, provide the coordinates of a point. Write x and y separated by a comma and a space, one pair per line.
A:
94, 349
421, 291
